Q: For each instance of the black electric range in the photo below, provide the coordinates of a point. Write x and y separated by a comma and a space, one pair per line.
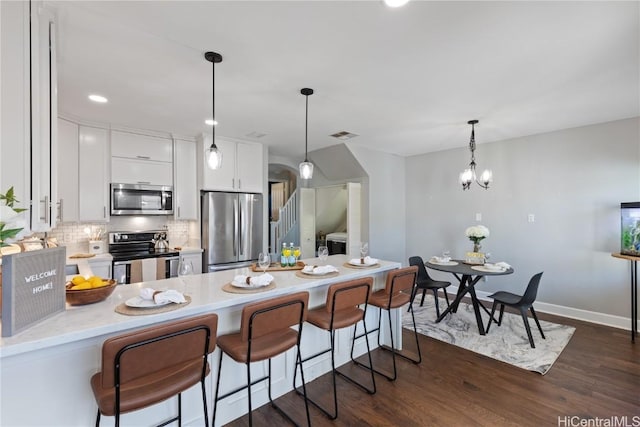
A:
126, 247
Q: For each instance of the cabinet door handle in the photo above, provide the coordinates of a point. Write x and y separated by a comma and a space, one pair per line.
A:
233, 183
60, 209
144, 157
144, 182
45, 218
239, 183
104, 212
178, 211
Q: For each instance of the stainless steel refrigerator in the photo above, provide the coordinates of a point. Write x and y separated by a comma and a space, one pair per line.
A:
231, 229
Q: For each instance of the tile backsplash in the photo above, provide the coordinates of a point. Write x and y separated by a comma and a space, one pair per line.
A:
179, 233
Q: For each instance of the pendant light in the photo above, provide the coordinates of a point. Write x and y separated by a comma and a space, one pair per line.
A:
306, 167
213, 154
469, 175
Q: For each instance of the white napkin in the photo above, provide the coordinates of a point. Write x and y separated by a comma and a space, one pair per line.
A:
503, 264
493, 267
440, 259
261, 280
162, 297
312, 269
367, 261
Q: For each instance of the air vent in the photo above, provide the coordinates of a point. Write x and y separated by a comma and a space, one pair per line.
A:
344, 135
256, 135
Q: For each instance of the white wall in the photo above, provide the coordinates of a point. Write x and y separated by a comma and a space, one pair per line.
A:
572, 180
384, 204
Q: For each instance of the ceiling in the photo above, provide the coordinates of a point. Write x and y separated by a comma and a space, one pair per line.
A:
405, 80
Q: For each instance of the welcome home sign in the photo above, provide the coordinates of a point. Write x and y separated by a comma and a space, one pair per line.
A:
33, 288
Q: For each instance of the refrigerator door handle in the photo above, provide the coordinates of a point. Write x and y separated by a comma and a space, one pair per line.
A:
241, 236
235, 227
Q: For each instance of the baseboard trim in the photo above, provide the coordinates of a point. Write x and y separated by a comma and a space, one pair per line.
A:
570, 312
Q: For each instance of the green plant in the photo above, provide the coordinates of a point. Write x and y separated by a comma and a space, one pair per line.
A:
8, 214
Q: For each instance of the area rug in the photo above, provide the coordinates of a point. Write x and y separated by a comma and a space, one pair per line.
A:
507, 343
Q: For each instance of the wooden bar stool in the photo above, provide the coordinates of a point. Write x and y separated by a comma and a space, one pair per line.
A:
265, 332
148, 366
341, 310
396, 293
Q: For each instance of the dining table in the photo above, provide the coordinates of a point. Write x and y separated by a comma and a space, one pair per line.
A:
469, 275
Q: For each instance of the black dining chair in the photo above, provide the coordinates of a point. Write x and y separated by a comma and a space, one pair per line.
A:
425, 282
521, 302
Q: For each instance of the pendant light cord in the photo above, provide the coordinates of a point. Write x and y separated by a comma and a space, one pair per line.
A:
306, 126
213, 100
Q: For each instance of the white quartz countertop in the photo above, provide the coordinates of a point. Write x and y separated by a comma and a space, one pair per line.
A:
83, 322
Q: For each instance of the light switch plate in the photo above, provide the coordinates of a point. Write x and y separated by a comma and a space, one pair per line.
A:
478, 216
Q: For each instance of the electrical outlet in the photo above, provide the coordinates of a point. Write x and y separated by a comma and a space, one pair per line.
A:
478, 216
67, 237
531, 218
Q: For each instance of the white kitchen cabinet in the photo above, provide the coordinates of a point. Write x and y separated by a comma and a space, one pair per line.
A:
148, 172
242, 166
195, 258
141, 159
249, 161
93, 175
141, 147
68, 161
43, 120
185, 195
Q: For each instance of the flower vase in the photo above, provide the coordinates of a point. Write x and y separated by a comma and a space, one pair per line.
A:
477, 246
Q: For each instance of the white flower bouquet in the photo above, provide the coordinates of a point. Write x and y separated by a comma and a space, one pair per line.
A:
476, 233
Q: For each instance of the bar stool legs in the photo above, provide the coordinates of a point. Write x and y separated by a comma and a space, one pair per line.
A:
265, 332
397, 293
342, 310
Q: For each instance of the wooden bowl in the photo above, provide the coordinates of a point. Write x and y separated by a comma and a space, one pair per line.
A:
89, 296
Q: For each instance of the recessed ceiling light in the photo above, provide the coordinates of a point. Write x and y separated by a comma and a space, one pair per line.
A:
211, 122
395, 3
98, 98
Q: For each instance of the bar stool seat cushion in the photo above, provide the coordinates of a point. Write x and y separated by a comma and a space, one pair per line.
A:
381, 299
321, 318
147, 390
262, 348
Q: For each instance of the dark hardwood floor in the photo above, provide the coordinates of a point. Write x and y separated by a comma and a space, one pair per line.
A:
596, 376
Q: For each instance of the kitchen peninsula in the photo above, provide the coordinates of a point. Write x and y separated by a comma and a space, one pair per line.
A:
46, 369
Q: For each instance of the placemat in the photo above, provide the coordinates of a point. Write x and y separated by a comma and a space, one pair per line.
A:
135, 311
82, 256
275, 266
316, 276
235, 290
358, 267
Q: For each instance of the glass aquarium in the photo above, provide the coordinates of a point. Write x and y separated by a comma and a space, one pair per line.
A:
630, 232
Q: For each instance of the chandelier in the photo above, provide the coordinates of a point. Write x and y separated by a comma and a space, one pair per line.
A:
469, 174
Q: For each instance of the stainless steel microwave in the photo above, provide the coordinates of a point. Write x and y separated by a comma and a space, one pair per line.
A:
140, 199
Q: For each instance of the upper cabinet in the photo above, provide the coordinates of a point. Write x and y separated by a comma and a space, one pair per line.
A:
43, 113
141, 159
242, 166
68, 176
83, 172
185, 195
141, 147
93, 169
